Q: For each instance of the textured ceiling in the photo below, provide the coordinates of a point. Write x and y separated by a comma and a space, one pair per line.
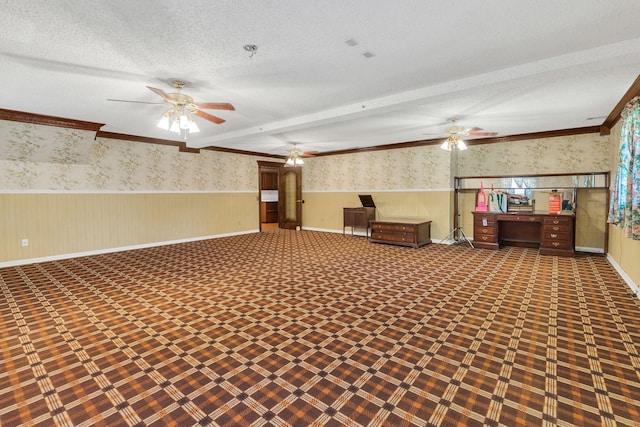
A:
507, 66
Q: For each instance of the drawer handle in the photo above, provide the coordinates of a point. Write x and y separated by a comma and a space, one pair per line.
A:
555, 221
555, 244
484, 238
554, 235
556, 228
533, 218
484, 230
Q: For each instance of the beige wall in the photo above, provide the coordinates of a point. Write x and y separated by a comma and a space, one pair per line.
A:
323, 210
405, 183
58, 223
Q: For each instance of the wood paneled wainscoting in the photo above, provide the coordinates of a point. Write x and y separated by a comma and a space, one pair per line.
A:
58, 224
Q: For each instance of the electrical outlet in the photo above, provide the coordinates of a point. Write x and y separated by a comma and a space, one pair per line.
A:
25, 242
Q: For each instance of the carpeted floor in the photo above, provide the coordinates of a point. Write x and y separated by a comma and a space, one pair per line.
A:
287, 328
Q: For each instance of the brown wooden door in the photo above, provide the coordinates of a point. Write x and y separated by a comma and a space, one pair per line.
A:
290, 198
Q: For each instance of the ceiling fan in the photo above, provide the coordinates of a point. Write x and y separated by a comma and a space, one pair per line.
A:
454, 133
295, 156
182, 106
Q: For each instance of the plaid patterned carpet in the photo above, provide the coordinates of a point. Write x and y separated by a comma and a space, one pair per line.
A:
287, 328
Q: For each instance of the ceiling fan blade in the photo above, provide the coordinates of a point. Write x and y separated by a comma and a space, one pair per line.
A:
309, 153
160, 92
478, 133
208, 116
214, 106
136, 102
473, 129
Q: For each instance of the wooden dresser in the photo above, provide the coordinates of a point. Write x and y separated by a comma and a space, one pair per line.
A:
402, 231
553, 234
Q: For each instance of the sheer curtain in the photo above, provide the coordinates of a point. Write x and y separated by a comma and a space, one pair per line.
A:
624, 211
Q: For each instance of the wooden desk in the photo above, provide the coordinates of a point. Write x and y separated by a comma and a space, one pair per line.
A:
358, 217
553, 234
401, 231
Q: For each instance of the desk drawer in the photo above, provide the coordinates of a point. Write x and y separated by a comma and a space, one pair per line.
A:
484, 230
556, 244
479, 224
557, 221
556, 236
520, 218
556, 228
489, 238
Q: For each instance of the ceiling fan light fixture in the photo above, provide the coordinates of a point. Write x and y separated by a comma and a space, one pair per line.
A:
193, 127
294, 158
164, 122
294, 161
453, 141
183, 121
175, 127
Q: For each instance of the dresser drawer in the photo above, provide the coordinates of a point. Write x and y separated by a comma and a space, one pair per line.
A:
394, 237
394, 228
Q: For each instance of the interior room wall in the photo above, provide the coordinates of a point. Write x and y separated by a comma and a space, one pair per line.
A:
76, 223
67, 192
405, 183
566, 154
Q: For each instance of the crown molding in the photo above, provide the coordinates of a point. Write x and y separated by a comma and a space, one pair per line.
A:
182, 146
614, 116
41, 119
480, 141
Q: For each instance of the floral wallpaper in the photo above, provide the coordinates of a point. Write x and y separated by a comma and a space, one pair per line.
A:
37, 157
416, 168
576, 153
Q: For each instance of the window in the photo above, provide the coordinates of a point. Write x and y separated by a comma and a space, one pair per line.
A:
624, 211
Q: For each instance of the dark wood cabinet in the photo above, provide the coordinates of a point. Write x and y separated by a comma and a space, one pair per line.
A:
269, 212
269, 180
404, 232
553, 234
358, 218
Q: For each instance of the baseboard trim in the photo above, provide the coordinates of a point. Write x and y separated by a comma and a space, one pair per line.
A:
634, 287
358, 233
118, 249
589, 250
